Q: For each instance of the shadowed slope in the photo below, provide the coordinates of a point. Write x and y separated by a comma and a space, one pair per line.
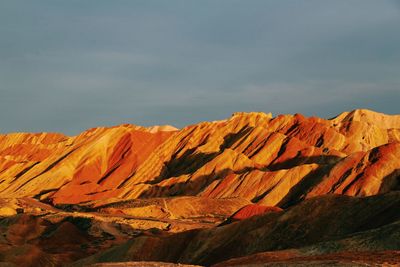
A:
310, 222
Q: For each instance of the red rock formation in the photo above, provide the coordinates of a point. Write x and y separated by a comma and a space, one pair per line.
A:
274, 161
291, 183
250, 211
74, 169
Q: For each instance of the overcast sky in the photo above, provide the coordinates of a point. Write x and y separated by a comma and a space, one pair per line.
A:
68, 65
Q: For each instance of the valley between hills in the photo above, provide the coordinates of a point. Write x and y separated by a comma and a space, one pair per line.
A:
251, 190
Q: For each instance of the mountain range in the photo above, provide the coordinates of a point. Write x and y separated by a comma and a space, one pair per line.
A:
249, 190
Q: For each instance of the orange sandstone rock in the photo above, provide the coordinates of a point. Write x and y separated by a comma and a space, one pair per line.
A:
275, 161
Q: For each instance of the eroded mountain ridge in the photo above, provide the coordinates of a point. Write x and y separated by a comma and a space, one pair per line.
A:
272, 161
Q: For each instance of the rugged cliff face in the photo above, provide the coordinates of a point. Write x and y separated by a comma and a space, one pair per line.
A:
64, 169
274, 161
219, 183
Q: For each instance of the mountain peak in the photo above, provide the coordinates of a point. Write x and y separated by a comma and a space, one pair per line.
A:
162, 128
378, 119
252, 114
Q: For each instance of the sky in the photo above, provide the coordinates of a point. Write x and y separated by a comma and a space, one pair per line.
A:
66, 66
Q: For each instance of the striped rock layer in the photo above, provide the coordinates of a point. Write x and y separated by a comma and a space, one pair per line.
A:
272, 161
